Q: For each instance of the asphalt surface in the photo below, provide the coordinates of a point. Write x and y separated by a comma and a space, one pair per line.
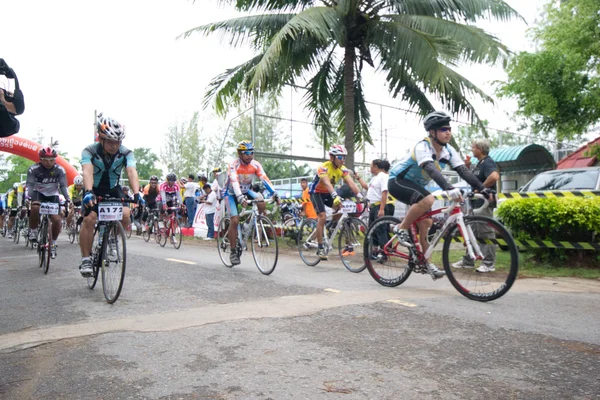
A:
186, 327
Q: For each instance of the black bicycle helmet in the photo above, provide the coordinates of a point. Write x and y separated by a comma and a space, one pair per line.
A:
436, 120
171, 177
154, 178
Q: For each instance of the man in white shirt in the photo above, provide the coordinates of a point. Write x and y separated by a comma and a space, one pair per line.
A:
189, 198
210, 207
377, 194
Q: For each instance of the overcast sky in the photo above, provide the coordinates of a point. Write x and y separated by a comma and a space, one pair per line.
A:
121, 57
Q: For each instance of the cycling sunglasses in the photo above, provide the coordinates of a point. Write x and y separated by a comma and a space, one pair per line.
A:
248, 153
446, 129
47, 159
340, 157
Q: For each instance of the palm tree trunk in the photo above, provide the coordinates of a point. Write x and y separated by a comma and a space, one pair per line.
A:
349, 58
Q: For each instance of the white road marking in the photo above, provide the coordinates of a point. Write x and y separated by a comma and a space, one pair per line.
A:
402, 303
332, 290
181, 261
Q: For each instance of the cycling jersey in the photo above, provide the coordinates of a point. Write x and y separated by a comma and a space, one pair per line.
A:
410, 166
169, 193
241, 175
75, 194
107, 167
47, 182
151, 198
327, 171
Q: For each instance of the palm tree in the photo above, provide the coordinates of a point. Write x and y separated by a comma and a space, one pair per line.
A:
323, 45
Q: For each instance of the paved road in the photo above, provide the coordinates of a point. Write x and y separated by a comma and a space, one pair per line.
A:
186, 327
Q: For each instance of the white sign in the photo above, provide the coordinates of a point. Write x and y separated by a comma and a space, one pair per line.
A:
348, 207
49, 208
110, 211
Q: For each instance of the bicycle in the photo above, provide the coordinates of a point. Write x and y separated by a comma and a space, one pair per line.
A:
17, 226
151, 227
462, 235
171, 229
44, 244
107, 256
75, 226
351, 233
259, 230
290, 224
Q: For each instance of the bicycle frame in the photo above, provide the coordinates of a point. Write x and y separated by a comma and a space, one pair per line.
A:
454, 215
253, 212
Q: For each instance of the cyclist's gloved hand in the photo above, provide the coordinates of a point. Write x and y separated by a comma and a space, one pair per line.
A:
454, 194
275, 197
139, 200
241, 199
359, 196
489, 194
89, 198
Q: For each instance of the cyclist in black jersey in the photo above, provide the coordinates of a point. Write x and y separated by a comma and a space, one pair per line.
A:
44, 181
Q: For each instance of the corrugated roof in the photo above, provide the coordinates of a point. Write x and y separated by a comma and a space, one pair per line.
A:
577, 159
526, 157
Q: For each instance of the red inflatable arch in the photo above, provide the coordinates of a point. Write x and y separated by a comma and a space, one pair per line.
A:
29, 149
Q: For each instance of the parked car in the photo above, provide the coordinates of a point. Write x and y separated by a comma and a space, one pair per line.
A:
565, 179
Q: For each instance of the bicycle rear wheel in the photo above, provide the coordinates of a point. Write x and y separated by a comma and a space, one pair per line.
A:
307, 242
48, 248
16, 230
18, 225
72, 233
223, 242
487, 279
385, 261
351, 244
114, 260
146, 232
176, 234
265, 249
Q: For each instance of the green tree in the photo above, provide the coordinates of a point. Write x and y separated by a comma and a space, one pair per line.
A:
464, 136
414, 43
558, 87
16, 166
183, 150
146, 160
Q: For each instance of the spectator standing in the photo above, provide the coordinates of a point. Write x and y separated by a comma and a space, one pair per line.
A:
380, 203
189, 198
209, 210
486, 171
308, 210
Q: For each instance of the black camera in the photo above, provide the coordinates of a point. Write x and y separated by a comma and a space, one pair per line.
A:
9, 125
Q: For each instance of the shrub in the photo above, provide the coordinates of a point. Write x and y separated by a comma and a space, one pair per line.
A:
572, 219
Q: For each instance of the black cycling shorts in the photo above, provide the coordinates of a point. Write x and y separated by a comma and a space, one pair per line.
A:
320, 200
407, 192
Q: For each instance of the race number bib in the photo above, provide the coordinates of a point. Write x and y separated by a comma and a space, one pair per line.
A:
110, 211
348, 206
49, 208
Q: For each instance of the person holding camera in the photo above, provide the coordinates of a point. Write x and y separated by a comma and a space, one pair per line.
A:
10, 104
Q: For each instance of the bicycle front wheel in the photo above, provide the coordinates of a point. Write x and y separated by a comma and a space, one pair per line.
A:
386, 260
176, 234
223, 242
265, 249
91, 281
128, 231
351, 245
18, 230
113, 262
146, 232
42, 241
307, 242
491, 277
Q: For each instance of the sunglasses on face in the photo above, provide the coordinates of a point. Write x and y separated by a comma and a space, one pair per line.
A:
446, 129
248, 153
340, 157
48, 159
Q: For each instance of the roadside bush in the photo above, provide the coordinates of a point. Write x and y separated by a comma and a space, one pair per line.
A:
572, 219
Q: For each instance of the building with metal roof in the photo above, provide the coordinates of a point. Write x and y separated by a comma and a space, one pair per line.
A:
578, 158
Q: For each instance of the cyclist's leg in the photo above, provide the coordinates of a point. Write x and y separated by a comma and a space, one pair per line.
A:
233, 223
56, 219
11, 218
483, 231
1, 217
70, 216
86, 235
414, 195
34, 215
318, 200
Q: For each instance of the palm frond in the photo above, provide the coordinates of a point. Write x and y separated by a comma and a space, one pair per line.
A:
227, 89
255, 30
318, 98
316, 22
475, 44
270, 5
456, 10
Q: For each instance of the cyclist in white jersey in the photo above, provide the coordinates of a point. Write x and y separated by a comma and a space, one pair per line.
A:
409, 176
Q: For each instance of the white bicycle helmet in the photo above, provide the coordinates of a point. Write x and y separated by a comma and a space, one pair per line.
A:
338, 150
16, 185
108, 128
78, 180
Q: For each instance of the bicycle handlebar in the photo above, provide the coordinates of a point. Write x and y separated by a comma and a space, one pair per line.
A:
120, 199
